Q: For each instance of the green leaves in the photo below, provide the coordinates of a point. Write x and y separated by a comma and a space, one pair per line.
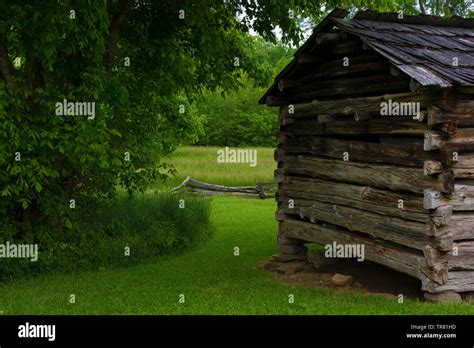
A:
38, 187
138, 107
67, 222
123, 95
245, 123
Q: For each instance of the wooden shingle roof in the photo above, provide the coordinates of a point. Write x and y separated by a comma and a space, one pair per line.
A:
433, 51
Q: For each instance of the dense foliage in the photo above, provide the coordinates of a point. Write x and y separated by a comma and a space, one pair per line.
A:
235, 118
125, 232
142, 111
55, 50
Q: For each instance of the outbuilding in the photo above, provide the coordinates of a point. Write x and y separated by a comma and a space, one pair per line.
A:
376, 145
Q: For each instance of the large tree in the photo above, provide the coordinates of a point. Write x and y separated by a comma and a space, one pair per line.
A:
143, 63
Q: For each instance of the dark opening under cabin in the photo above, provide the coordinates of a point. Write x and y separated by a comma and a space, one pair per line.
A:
376, 145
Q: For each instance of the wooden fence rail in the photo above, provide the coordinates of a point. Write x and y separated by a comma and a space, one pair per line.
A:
260, 190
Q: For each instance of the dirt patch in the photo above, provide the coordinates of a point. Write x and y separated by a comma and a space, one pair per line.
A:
369, 277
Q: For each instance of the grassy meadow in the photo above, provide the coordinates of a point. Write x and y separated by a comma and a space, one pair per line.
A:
201, 163
212, 279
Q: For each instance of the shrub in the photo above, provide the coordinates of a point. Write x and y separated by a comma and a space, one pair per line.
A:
149, 224
236, 119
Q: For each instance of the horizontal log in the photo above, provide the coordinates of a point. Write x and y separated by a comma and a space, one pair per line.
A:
411, 234
461, 107
402, 205
375, 175
464, 166
206, 186
284, 84
458, 281
465, 160
329, 38
302, 59
462, 225
361, 196
347, 47
456, 99
466, 89
438, 115
363, 116
366, 63
402, 141
460, 258
331, 118
464, 139
464, 173
217, 193
349, 106
376, 126
352, 47
260, 190
462, 198
272, 100
347, 86
405, 154
400, 259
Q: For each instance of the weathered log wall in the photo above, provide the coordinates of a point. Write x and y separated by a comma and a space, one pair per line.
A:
401, 185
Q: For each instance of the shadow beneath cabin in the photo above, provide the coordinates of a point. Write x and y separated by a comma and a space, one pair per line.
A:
368, 277
375, 278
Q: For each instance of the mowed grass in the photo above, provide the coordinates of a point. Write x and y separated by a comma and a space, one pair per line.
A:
211, 278
201, 163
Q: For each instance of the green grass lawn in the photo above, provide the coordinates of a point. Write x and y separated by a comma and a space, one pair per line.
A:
201, 163
213, 280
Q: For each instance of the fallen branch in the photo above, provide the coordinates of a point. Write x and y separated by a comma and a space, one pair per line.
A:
260, 190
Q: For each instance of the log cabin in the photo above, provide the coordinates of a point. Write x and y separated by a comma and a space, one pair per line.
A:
376, 145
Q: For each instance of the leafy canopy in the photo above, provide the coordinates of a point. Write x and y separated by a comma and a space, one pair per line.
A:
51, 50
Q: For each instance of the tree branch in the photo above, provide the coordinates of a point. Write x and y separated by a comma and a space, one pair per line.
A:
123, 7
35, 78
6, 67
447, 9
422, 7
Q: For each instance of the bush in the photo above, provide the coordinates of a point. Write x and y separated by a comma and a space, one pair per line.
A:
149, 224
236, 119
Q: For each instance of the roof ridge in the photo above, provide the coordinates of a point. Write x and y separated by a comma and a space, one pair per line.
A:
403, 49
421, 19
